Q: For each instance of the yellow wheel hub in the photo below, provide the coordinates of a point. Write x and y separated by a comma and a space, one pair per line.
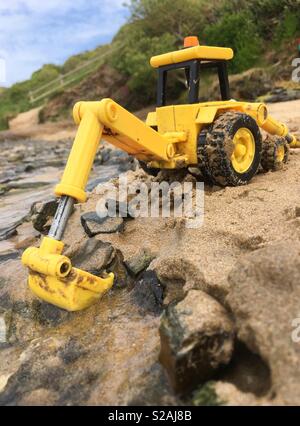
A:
280, 154
244, 150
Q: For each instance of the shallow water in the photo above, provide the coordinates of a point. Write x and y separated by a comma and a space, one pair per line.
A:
16, 204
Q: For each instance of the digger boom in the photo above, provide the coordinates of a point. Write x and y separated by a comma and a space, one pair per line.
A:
122, 129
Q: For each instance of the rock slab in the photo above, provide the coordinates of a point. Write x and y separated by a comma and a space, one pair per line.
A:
264, 298
197, 337
95, 225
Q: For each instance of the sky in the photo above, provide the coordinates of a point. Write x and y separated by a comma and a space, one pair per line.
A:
35, 32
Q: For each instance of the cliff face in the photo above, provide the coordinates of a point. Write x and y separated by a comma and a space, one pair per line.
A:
104, 83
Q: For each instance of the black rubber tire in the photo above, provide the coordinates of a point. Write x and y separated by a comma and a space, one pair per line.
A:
215, 148
269, 160
149, 170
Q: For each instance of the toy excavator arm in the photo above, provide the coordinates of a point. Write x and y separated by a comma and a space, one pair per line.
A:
109, 120
259, 112
51, 275
277, 128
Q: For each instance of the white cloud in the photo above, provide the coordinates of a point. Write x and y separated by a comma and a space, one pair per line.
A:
34, 32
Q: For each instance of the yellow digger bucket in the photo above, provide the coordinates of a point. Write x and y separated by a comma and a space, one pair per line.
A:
52, 278
77, 291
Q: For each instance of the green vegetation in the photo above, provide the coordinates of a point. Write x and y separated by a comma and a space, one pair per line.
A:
288, 27
206, 396
251, 27
246, 43
78, 60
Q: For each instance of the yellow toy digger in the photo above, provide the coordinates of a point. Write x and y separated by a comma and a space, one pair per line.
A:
222, 139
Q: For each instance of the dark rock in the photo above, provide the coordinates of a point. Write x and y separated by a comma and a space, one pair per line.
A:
11, 231
105, 155
11, 255
247, 371
148, 293
126, 165
26, 310
52, 163
156, 392
197, 337
292, 212
30, 377
107, 173
281, 94
178, 276
119, 158
96, 257
94, 183
41, 213
93, 256
34, 312
117, 266
94, 225
7, 233
71, 352
248, 85
139, 262
79, 391
29, 168
9, 176
116, 155
48, 315
264, 299
24, 185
